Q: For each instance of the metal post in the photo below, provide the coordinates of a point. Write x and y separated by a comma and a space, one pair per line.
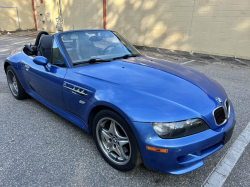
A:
18, 18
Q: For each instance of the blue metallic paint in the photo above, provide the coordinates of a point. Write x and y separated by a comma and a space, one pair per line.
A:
142, 90
133, 81
184, 154
47, 84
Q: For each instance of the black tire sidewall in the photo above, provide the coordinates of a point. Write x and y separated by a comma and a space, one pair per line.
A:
135, 154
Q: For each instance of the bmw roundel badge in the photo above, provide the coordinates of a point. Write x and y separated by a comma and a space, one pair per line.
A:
219, 100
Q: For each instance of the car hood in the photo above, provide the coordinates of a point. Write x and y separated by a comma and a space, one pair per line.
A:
168, 81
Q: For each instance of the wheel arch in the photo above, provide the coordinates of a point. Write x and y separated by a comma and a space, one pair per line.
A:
103, 106
6, 64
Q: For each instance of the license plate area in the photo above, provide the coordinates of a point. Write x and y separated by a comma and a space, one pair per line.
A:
228, 134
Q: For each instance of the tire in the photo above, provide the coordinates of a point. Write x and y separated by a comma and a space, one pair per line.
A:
14, 84
116, 141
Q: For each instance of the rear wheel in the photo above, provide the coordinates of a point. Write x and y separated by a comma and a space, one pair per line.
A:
14, 84
116, 141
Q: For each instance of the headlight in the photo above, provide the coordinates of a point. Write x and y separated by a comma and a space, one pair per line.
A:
180, 128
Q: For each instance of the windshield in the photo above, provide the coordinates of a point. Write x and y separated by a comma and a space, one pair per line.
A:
81, 46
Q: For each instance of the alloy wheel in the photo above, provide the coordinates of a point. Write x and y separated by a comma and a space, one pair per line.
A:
12, 81
113, 141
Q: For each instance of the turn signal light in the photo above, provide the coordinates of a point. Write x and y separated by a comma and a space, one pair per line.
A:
157, 149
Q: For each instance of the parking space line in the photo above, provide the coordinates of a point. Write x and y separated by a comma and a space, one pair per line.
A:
222, 170
187, 62
10, 39
15, 38
214, 58
159, 51
241, 61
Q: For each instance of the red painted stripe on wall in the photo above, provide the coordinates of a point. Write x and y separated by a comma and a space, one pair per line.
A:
104, 14
34, 13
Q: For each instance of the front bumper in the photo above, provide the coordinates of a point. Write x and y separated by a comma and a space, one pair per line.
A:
184, 154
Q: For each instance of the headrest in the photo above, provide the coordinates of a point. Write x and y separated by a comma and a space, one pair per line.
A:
46, 41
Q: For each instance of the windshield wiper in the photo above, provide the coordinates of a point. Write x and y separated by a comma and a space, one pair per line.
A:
125, 56
93, 60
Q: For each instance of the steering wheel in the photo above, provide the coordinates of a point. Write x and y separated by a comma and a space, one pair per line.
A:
105, 50
29, 48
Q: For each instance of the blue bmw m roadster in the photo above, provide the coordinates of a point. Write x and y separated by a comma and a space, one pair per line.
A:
138, 109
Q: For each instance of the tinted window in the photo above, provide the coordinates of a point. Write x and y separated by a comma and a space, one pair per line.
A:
57, 58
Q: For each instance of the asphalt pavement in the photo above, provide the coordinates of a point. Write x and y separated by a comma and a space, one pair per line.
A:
40, 148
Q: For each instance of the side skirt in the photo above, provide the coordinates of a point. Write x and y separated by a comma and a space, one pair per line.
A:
71, 117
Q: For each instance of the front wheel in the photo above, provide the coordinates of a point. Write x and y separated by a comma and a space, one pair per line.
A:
14, 84
116, 141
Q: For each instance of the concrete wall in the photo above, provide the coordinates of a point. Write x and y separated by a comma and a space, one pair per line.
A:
8, 16
82, 14
46, 12
76, 14
219, 27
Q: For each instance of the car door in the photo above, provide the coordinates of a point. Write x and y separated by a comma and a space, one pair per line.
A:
48, 84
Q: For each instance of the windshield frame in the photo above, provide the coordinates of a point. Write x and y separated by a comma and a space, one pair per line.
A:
116, 34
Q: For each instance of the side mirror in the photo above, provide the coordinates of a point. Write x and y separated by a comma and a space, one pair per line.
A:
42, 61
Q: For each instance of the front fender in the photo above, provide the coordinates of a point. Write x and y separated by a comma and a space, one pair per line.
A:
109, 105
133, 105
141, 107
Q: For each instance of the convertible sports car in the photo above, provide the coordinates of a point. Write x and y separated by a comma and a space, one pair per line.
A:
138, 109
